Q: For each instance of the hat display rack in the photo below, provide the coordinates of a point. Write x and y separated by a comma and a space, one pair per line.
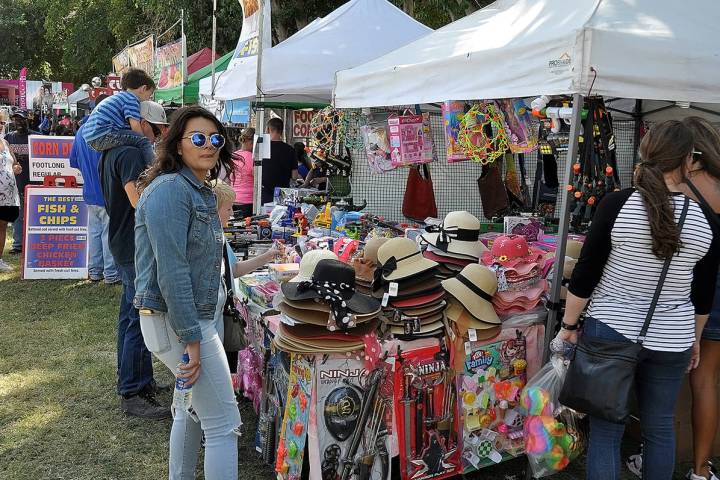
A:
376, 337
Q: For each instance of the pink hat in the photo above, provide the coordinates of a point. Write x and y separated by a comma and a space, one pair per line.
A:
511, 250
531, 294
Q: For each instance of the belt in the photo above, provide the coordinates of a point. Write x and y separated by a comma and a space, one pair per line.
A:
147, 311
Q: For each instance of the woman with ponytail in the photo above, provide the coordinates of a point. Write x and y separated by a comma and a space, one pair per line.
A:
633, 233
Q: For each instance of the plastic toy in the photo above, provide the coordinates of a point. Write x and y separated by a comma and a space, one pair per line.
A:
536, 401
475, 135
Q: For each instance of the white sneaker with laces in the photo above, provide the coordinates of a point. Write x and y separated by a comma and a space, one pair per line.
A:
4, 267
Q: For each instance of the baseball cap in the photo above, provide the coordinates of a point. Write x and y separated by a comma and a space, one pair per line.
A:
153, 112
19, 113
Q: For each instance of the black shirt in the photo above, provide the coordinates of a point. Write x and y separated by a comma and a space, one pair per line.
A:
118, 167
19, 147
277, 171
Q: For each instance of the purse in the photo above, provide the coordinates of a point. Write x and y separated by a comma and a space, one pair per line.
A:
233, 323
600, 377
493, 193
419, 200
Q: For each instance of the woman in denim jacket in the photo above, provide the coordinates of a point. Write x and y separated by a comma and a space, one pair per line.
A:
179, 242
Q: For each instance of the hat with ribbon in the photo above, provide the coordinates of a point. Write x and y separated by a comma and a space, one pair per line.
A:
333, 282
511, 250
474, 288
400, 258
458, 314
370, 252
459, 234
309, 262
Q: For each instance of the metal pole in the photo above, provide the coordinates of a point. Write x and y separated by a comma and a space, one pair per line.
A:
214, 39
260, 116
637, 116
575, 125
184, 56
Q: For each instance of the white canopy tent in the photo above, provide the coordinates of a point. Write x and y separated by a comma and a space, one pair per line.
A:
302, 69
520, 48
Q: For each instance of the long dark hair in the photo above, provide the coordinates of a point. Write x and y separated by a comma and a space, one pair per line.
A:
707, 144
663, 150
168, 160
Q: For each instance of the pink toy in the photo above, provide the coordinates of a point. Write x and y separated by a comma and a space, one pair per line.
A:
536, 401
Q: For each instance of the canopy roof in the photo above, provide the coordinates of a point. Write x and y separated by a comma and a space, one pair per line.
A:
192, 87
521, 48
303, 67
200, 59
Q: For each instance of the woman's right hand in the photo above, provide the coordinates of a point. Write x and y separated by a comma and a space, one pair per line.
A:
191, 370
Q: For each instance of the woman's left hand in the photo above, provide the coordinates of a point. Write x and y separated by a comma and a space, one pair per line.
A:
695, 357
569, 336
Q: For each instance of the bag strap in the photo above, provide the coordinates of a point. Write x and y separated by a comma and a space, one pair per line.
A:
658, 289
227, 279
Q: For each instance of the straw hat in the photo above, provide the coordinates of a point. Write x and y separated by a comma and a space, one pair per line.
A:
573, 249
370, 252
459, 234
308, 263
400, 258
474, 288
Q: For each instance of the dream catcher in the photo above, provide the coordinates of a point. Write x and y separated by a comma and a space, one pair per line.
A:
475, 138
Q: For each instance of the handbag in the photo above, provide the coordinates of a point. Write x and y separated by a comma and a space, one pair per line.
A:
493, 193
233, 323
419, 200
600, 377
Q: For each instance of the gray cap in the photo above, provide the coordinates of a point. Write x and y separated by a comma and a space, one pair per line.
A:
153, 112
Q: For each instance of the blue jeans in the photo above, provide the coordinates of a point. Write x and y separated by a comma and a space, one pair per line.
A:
658, 380
129, 137
134, 362
100, 263
213, 400
18, 224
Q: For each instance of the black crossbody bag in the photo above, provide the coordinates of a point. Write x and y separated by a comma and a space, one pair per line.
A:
602, 373
233, 322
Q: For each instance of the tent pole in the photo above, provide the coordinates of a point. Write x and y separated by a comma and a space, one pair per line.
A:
575, 126
638, 116
184, 56
260, 115
212, 54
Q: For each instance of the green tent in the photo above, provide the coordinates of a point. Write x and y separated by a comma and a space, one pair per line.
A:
192, 87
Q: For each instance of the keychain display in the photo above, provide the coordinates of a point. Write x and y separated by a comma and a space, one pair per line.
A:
353, 420
291, 447
410, 140
426, 414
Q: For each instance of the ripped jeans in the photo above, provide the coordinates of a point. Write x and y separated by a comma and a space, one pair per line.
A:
213, 400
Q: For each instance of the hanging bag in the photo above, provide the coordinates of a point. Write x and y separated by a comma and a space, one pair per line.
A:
493, 194
419, 200
601, 376
233, 323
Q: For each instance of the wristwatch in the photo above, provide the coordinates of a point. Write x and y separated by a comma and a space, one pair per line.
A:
568, 327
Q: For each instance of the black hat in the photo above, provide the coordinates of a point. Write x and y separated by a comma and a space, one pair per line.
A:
333, 282
19, 113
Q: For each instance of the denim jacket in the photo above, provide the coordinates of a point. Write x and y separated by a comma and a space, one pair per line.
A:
178, 251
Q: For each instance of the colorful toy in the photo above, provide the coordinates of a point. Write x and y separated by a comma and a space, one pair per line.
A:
476, 133
536, 401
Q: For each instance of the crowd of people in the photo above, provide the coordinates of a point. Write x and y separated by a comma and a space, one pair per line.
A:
159, 194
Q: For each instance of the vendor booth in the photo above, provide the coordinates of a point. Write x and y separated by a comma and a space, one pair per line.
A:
190, 92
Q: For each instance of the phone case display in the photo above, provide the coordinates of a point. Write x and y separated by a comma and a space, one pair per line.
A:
377, 147
410, 140
518, 125
489, 389
352, 421
425, 413
291, 448
452, 113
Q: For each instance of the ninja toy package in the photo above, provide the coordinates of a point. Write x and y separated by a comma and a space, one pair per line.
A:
489, 388
353, 420
425, 412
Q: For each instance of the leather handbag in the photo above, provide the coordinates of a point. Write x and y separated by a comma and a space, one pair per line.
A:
493, 193
419, 200
600, 378
233, 323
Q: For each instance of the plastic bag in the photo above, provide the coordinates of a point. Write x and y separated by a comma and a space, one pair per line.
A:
553, 436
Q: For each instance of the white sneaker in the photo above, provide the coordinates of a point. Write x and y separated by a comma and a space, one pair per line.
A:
691, 476
634, 463
4, 267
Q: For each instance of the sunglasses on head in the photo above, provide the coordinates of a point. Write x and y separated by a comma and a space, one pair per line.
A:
199, 139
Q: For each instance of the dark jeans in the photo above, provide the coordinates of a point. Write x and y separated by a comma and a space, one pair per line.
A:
658, 380
134, 362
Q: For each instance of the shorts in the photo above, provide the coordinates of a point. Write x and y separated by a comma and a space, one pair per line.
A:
712, 327
9, 214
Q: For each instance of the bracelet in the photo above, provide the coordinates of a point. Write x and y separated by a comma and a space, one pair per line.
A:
568, 327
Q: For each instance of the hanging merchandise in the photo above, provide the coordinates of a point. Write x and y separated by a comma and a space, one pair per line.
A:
377, 147
352, 425
493, 193
327, 134
410, 139
425, 413
419, 200
482, 133
545, 190
513, 184
291, 448
518, 125
452, 113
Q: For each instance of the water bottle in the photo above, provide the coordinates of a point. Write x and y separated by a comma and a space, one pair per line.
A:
182, 396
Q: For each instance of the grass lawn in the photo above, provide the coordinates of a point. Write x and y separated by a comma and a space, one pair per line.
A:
59, 414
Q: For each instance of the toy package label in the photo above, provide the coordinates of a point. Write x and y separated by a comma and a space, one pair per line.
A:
426, 415
410, 140
353, 420
452, 112
532, 228
489, 389
291, 447
377, 148
518, 125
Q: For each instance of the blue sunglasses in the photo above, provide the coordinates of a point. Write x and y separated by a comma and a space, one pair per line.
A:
199, 139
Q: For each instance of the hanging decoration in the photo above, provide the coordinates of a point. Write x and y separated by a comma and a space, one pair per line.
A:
482, 133
410, 139
328, 131
452, 113
518, 125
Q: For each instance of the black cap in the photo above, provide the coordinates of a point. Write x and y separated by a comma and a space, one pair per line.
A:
19, 113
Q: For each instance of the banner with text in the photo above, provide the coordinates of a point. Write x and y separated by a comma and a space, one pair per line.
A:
142, 54
169, 65
301, 120
121, 62
22, 86
56, 229
248, 43
49, 156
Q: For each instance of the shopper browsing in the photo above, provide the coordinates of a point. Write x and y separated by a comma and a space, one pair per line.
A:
282, 165
116, 121
9, 199
179, 257
633, 235
19, 146
243, 183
